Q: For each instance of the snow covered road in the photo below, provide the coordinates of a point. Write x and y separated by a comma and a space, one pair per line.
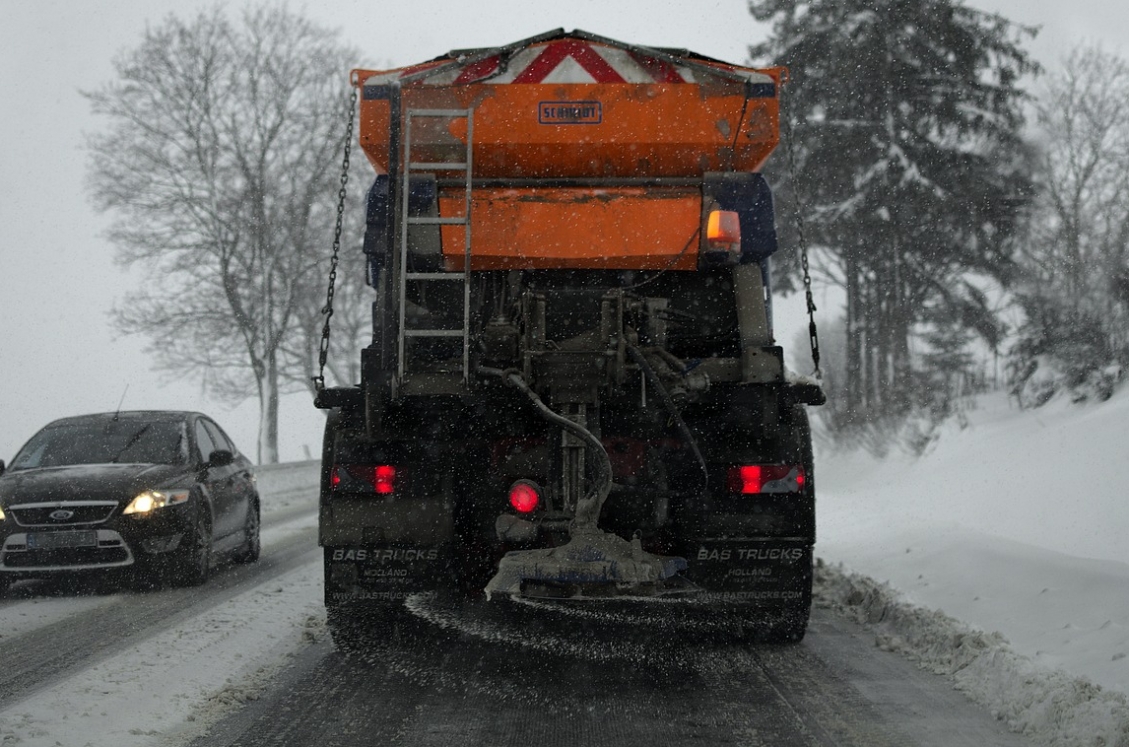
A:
245, 659
142, 668
479, 677
122, 622
218, 664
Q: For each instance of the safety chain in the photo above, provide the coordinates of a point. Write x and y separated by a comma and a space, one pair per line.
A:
813, 337
327, 310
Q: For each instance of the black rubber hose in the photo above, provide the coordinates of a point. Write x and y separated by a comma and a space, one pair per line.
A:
668, 403
587, 514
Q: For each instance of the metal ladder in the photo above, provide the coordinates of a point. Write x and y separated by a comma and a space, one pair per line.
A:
405, 277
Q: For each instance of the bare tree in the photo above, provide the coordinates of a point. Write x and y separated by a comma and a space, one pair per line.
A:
1076, 259
220, 167
1082, 236
351, 322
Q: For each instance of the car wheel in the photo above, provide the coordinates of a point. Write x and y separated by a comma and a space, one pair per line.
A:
196, 563
5, 583
252, 544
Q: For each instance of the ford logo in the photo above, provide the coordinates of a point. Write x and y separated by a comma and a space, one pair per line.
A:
61, 515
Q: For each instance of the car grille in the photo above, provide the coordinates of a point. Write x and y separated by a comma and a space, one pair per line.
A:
84, 512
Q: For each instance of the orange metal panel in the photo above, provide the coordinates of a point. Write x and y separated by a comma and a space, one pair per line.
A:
374, 132
623, 228
612, 130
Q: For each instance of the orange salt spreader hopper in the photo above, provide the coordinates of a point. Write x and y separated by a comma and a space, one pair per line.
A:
584, 152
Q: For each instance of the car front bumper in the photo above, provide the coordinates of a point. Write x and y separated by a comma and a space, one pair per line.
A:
29, 552
107, 550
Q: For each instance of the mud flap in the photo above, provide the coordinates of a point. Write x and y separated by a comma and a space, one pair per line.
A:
386, 573
770, 574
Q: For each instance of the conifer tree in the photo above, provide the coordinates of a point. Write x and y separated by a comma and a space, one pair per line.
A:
906, 117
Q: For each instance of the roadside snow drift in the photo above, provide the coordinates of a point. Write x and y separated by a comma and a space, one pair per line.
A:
1015, 526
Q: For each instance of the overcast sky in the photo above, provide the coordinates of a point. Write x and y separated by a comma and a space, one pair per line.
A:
58, 281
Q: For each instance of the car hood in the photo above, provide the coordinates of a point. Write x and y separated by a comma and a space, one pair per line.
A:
86, 482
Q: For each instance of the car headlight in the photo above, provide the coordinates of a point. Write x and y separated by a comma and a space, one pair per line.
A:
151, 500
1, 514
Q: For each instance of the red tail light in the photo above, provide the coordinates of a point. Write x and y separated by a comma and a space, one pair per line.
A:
384, 478
364, 478
525, 496
766, 478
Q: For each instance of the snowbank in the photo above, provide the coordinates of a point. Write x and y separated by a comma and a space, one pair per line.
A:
1048, 706
1014, 526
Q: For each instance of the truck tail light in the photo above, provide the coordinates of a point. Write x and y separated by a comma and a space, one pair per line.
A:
364, 478
750, 479
525, 496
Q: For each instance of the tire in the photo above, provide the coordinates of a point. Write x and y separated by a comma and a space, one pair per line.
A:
252, 543
360, 630
793, 624
784, 625
346, 631
799, 446
196, 563
5, 583
334, 423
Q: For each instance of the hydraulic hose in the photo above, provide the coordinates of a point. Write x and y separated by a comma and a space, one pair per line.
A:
668, 403
587, 508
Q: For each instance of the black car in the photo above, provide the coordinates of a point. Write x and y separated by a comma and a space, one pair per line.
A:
155, 495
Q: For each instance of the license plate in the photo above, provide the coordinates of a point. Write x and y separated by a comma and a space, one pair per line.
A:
60, 540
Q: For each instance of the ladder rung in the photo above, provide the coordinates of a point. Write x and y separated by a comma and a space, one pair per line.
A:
437, 166
431, 221
438, 112
433, 333
435, 275
404, 375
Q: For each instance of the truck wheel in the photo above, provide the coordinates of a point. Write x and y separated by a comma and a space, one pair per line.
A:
346, 631
799, 446
336, 423
793, 623
360, 629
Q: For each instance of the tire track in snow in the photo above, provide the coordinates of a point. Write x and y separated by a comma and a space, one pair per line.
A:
474, 676
46, 655
484, 679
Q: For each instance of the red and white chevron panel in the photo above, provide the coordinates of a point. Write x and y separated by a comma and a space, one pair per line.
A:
560, 61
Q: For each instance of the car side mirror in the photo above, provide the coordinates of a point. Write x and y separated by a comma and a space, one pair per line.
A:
2, 467
220, 458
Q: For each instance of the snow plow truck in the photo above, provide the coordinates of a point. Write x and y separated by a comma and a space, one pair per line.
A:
572, 391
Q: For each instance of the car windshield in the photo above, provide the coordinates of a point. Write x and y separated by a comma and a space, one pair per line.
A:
157, 442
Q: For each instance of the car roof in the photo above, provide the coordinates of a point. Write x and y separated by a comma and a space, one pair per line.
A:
136, 416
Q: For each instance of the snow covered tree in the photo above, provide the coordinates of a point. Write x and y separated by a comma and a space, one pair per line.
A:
220, 167
1076, 259
906, 117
